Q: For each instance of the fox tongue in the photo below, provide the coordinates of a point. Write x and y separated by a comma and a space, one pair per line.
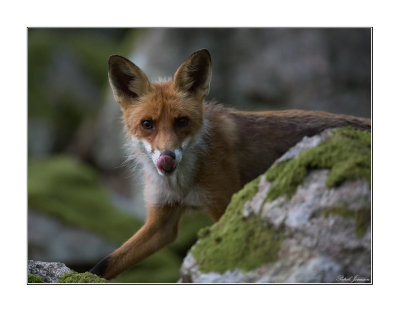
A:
166, 163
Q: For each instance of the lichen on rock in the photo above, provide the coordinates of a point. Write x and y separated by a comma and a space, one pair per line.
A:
49, 272
315, 229
86, 277
57, 272
346, 153
236, 241
33, 279
362, 217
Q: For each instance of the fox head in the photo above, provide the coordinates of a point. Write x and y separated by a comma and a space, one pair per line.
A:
163, 118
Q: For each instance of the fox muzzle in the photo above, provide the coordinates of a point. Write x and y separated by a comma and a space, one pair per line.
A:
166, 162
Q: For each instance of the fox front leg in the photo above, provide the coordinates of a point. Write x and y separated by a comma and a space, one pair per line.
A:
160, 229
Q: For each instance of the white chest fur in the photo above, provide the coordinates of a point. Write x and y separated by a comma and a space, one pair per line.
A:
175, 189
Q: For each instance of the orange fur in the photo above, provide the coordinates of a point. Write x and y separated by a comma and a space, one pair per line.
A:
216, 152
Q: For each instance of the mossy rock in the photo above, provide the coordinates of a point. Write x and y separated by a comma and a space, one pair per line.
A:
86, 277
347, 154
34, 279
362, 217
244, 242
235, 241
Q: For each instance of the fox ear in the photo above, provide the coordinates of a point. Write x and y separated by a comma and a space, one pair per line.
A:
194, 75
126, 79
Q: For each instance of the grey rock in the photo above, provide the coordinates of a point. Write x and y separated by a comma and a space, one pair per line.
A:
305, 143
190, 273
318, 247
50, 272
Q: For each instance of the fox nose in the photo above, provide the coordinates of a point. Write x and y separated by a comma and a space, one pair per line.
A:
168, 153
166, 162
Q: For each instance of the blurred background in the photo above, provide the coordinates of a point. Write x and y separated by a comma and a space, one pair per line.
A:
83, 200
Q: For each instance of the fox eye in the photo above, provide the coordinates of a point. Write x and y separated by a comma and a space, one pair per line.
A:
147, 124
181, 122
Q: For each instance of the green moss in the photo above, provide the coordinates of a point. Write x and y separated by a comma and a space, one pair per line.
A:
287, 176
347, 154
86, 277
34, 278
235, 241
362, 217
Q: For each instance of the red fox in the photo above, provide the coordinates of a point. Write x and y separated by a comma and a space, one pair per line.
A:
195, 154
